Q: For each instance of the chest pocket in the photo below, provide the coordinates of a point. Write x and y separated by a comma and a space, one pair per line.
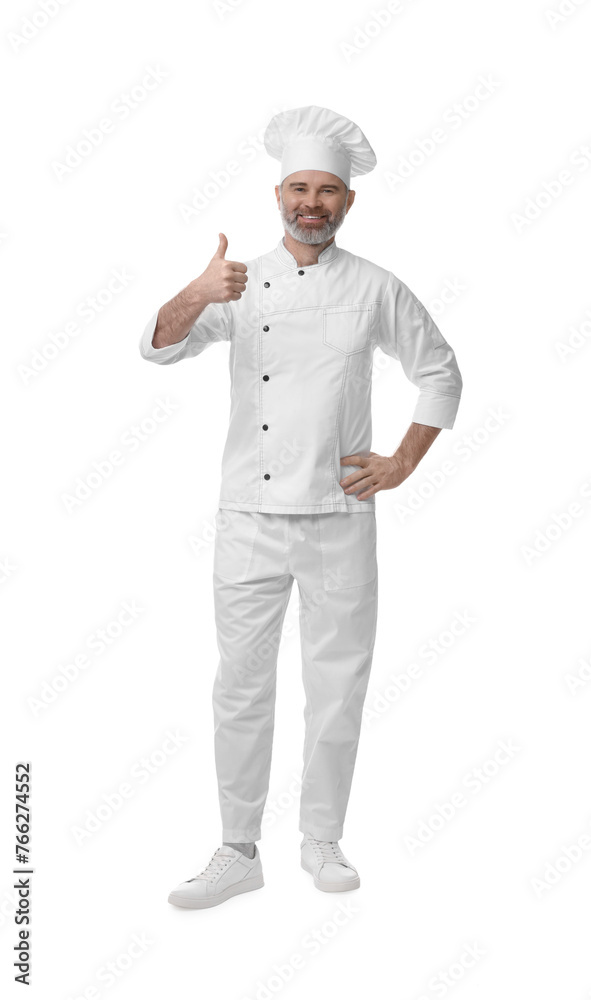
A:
347, 328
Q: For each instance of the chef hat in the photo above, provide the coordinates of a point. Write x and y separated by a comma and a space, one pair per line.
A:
314, 138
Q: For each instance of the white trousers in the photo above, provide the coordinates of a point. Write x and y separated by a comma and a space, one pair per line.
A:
257, 556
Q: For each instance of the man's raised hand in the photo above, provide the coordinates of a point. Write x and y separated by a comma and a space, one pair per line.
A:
223, 280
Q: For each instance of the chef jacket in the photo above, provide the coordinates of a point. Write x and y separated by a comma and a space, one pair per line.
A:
301, 356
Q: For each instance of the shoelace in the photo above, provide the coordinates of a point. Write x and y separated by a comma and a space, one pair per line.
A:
327, 850
215, 867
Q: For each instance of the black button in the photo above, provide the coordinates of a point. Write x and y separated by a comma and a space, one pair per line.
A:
265, 328
265, 378
265, 427
267, 284
300, 272
266, 476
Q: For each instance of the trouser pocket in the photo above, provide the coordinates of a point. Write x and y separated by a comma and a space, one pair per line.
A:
236, 531
348, 547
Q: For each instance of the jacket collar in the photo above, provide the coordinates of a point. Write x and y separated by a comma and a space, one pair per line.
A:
286, 257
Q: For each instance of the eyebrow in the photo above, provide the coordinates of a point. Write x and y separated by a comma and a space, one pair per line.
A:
304, 184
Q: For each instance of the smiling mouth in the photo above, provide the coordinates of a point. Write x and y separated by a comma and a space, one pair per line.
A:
312, 218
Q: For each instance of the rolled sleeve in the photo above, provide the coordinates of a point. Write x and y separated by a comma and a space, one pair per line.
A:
408, 333
213, 324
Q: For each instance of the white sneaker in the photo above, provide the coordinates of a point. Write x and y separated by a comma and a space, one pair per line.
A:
228, 873
326, 862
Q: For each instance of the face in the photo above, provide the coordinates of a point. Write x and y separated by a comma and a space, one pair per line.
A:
313, 193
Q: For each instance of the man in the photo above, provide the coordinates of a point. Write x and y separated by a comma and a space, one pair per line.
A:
298, 487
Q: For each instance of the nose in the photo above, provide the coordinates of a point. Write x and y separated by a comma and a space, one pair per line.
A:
315, 203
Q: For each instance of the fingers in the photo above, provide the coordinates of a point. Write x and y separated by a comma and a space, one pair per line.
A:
236, 285
369, 493
360, 484
238, 280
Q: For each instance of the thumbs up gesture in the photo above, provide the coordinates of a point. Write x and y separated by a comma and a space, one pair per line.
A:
223, 280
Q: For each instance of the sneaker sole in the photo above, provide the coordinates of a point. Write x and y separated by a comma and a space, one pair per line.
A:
353, 883
233, 890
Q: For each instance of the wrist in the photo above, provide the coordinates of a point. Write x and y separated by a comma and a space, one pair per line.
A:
195, 296
404, 465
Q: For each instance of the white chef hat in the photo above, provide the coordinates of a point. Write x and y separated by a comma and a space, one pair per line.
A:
314, 138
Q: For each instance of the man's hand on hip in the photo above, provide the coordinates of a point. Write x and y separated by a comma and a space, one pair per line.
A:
383, 472
377, 472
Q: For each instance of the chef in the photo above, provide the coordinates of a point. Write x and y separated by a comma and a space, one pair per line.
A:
298, 486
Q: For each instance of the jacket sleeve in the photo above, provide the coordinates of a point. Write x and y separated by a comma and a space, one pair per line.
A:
408, 333
214, 323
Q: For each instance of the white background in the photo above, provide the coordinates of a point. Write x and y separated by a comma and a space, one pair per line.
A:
484, 542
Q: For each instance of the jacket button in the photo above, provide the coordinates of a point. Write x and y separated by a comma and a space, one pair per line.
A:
265, 378
265, 427
267, 284
265, 328
266, 476
300, 272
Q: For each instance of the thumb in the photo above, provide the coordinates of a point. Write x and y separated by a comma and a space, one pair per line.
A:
222, 246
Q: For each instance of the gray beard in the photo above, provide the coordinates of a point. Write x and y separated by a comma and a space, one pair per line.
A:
311, 234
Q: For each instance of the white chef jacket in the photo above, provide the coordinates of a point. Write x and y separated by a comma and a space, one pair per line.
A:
301, 355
